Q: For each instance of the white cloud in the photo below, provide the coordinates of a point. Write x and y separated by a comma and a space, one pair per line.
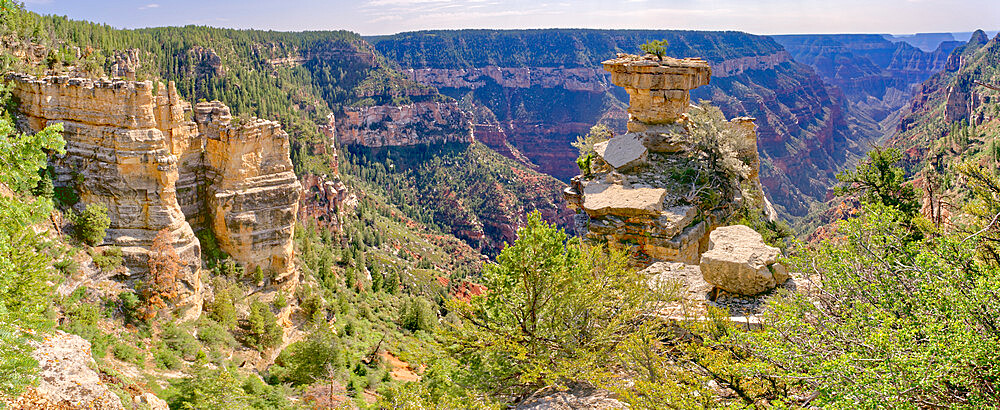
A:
149, 6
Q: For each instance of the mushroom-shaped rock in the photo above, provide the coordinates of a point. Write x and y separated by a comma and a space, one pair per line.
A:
623, 151
658, 90
738, 261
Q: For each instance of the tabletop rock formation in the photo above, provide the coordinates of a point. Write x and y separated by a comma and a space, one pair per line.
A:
676, 176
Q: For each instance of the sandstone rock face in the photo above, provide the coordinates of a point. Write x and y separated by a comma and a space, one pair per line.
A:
66, 377
323, 200
412, 124
649, 188
573, 79
120, 142
622, 152
658, 90
738, 261
131, 147
253, 195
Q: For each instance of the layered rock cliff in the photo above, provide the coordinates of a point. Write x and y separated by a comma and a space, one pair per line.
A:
877, 76
133, 147
401, 125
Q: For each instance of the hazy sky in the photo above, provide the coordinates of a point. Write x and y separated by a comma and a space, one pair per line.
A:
392, 16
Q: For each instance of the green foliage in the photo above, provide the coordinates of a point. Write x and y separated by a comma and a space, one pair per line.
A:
655, 47
91, 224
108, 259
262, 330
555, 311
900, 323
127, 353
597, 133
224, 389
879, 179
310, 360
180, 341
222, 308
214, 334
129, 307
24, 291
416, 314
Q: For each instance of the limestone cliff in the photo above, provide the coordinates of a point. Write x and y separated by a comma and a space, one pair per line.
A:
401, 125
133, 147
669, 181
120, 142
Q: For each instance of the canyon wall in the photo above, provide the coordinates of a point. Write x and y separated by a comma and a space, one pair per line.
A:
877, 76
545, 88
401, 125
132, 147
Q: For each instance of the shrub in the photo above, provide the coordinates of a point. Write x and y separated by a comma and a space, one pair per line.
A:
109, 259
92, 224
263, 331
180, 341
214, 334
167, 359
416, 314
655, 47
127, 353
129, 306
307, 361
222, 308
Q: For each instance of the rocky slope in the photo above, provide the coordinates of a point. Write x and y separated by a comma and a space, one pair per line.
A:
951, 96
545, 87
131, 147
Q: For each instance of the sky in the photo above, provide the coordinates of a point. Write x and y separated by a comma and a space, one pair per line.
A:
373, 17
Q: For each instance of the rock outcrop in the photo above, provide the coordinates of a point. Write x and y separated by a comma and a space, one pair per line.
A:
120, 152
738, 261
67, 379
546, 88
650, 188
400, 125
132, 147
252, 194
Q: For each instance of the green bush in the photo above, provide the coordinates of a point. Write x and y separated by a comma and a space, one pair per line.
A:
222, 308
180, 341
416, 314
109, 259
262, 330
129, 305
307, 361
167, 359
92, 224
214, 334
127, 353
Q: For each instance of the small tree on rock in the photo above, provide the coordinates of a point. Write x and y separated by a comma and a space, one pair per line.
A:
657, 48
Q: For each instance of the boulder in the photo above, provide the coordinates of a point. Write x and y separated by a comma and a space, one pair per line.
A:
738, 261
66, 377
622, 152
